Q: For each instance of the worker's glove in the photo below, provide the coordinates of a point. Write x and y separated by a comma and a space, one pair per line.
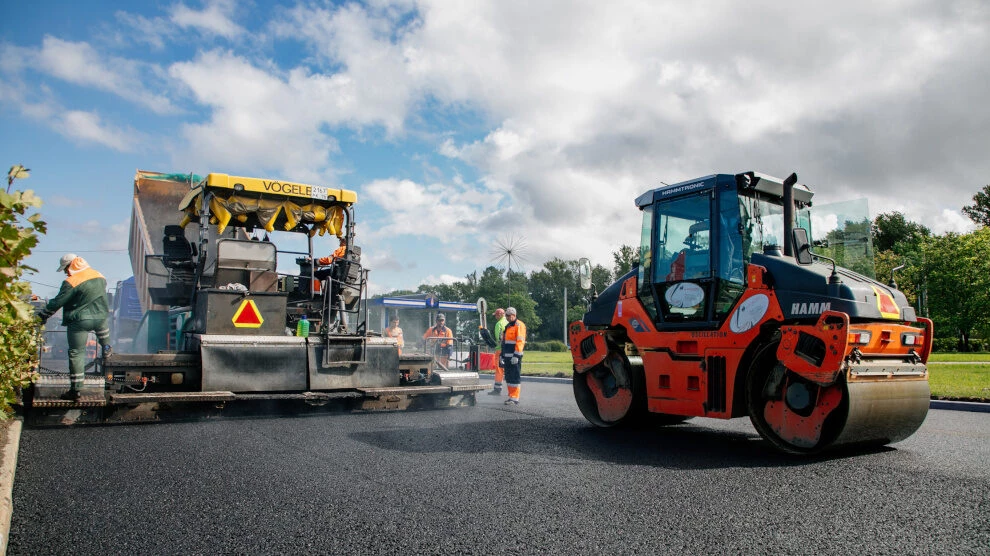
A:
513, 360
42, 315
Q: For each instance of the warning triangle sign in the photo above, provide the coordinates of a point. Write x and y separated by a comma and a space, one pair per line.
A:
248, 315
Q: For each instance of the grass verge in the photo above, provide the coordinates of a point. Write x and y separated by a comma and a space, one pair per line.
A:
954, 357
959, 382
951, 381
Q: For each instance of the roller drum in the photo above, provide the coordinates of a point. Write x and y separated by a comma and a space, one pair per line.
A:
884, 411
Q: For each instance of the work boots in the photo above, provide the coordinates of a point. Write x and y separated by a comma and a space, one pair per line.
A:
495, 392
72, 395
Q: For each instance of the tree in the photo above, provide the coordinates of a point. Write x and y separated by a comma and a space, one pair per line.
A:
624, 259
957, 270
891, 228
18, 348
547, 287
979, 211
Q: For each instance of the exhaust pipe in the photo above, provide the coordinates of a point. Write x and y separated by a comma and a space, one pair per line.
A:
789, 214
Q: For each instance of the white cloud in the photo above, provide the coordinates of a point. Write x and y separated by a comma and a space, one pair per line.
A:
442, 279
80, 126
446, 212
87, 127
214, 18
81, 64
581, 105
952, 221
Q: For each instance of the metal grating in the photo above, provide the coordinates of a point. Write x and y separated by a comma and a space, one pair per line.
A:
587, 347
716, 384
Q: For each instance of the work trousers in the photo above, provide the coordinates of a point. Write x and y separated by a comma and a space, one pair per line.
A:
499, 375
78, 334
513, 375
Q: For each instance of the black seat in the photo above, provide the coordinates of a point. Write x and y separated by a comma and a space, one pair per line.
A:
177, 252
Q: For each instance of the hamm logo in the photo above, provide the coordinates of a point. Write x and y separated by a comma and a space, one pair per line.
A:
809, 308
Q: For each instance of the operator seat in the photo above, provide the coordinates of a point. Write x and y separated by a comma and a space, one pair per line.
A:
177, 252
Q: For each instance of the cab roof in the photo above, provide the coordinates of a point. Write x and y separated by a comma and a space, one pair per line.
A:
746, 180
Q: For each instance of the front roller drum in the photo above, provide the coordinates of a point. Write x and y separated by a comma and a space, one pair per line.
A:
885, 411
798, 416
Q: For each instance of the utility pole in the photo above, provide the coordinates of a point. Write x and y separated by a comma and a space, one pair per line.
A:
565, 315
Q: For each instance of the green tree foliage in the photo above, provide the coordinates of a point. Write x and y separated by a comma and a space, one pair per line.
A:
493, 285
957, 270
18, 236
892, 228
899, 241
624, 259
979, 211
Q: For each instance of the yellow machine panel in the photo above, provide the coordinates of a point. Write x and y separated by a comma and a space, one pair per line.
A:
276, 187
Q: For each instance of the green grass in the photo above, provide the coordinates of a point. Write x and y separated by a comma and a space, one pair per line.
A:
959, 382
948, 381
548, 363
967, 357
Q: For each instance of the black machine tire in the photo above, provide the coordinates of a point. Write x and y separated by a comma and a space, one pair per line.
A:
757, 377
635, 414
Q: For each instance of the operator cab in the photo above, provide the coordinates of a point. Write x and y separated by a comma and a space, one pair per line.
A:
697, 238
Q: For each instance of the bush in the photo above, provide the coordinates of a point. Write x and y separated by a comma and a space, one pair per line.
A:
549, 345
944, 345
18, 327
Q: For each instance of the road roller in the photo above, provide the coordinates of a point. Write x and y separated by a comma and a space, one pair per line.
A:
733, 310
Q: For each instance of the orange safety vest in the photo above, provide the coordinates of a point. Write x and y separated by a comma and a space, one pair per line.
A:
397, 334
514, 338
337, 254
435, 332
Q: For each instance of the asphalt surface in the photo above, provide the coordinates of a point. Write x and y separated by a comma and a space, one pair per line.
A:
535, 478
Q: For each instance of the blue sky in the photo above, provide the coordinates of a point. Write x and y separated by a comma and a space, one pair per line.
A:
461, 122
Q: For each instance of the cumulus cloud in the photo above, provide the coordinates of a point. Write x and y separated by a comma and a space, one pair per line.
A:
80, 126
215, 18
442, 279
81, 64
88, 127
441, 211
581, 105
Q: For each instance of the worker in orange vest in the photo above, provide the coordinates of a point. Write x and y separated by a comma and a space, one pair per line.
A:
442, 338
513, 342
338, 253
393, 331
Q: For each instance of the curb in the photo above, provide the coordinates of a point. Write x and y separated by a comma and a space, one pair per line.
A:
951, 405
7, 480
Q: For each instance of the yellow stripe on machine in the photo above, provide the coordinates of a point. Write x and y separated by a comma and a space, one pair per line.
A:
276, 187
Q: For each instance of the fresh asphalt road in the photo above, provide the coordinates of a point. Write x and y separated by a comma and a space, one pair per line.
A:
536, 478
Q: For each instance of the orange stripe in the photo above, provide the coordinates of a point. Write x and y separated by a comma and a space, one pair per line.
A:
83, 276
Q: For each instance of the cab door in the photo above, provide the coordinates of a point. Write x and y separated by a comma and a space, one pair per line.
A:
683, 276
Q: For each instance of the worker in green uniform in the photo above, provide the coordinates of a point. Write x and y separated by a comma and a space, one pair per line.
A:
83, 300
499, 370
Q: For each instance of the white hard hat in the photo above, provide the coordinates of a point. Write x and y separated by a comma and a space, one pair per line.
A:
65, 261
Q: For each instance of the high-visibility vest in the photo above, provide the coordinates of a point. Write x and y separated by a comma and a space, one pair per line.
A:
395, 333
514, 338
437, 332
